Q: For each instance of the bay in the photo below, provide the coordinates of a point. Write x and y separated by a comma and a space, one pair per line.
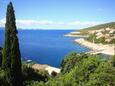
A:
45, 46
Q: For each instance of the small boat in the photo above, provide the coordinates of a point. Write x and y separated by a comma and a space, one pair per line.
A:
28, 61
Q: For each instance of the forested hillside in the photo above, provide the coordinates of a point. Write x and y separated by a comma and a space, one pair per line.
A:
101, 26
81, 70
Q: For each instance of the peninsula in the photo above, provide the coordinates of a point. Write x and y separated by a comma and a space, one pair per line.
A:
99, 38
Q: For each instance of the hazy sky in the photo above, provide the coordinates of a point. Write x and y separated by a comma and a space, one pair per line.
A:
59, 14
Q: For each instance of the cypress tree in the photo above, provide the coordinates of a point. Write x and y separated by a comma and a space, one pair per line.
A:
11, 54
0, 56
16, 63
6, 60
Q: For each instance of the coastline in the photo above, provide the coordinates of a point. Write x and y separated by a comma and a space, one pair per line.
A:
80, 36
47, 68
96, 48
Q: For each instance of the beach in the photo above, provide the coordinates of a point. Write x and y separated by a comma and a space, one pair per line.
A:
96, 48
70, 35
47, 68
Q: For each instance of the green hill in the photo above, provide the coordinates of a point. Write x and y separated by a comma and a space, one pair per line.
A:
101, 26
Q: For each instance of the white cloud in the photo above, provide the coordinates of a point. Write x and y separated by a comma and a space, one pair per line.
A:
89, 23
2, 22
23, 23
32, 23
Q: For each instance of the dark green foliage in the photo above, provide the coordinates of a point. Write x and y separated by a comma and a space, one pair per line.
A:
89, 70
35, 83
103, 76
11, 62
92, 38
53, 74
3, 78
78, 75
112, 61
101, 40
16, 72
0, 56
83, 69
112, 41
70, 61
30, 74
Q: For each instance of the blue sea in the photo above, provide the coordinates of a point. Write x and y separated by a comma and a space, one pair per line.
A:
45, 46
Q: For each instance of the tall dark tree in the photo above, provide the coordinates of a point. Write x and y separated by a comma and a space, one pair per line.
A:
11, 54
16, 63
0, 56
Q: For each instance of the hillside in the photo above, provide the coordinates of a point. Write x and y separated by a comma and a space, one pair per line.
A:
101, 26
103, 33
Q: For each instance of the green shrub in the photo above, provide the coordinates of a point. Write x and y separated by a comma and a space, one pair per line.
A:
81, 70
30, 74
103, 76
70, 61
3, 78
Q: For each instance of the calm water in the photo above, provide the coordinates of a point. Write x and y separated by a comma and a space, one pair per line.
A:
45, 46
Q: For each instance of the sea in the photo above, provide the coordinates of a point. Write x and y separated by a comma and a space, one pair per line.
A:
45, 46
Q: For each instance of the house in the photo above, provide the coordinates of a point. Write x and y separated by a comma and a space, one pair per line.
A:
108, 40
91, 32
99, 33
108, 29
112, 31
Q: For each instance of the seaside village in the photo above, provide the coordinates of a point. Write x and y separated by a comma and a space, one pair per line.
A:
107, 33
96, 48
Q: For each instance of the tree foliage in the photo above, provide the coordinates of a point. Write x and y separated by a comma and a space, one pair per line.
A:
0, 56
30, 74
88, 70
11, 62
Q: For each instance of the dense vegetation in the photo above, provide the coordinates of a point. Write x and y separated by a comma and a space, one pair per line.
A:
82, 70
30, 74
77, 70
92, 38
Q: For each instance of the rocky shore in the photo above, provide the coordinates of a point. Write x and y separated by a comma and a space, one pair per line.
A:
97, 48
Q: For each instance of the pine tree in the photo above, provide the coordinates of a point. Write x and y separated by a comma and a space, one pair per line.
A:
11, 54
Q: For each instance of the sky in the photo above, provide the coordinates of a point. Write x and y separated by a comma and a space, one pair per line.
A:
59, 14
